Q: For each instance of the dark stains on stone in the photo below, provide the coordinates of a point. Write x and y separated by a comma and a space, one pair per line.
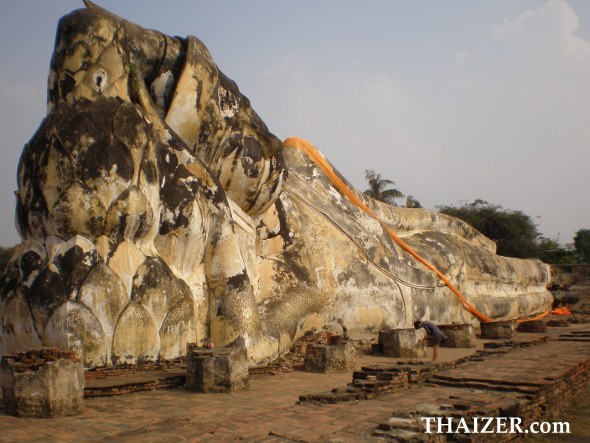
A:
9, 281
207, 148
167, 162
74, 265
279, 170
356, 273
78, 211
129, 126
499, 307
154, 274
47, 292
88, 119
238, 282
251, 156
129, 210
173, 62
295, 264
182, 189
106, 156
79, 23
33, 211
284, 225
66, 85
228, 95
150, 171
199, 93
29, 262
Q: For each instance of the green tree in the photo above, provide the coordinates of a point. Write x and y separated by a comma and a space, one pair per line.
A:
582, 245
550, 251
411, 202
378, 188
514, 232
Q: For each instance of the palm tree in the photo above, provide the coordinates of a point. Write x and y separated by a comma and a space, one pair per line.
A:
411, 202
378, 188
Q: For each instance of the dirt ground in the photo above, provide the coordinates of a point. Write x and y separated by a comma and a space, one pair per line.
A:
578, 416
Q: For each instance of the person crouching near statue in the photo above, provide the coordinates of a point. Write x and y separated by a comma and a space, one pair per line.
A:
435, 336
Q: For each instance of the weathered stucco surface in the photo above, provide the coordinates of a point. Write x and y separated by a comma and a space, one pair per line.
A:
156, 209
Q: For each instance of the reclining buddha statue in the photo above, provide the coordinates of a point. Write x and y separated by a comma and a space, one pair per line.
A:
156, 209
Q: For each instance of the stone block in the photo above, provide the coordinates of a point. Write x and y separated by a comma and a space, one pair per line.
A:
330, 358
498, 330
376, 348
458, 336
402, 343
216, 370
42, 383
537, 326
558, 323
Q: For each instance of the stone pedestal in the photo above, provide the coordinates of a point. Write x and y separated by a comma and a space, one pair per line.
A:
558, 323
216, 370
402, 343
498, 330
537, 326
333, 339
327, 358
43, 383
458, 336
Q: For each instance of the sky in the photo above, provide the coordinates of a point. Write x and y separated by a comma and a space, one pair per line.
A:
453, 100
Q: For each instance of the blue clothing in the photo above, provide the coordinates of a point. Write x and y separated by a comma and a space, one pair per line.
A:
435, 335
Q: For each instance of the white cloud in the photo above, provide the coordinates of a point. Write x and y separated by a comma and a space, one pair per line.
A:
461, 57
542, 85
356, 115
546, 33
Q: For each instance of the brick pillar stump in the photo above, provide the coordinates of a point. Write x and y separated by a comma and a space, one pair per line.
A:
402, 343
42, 383
216, 370
330, 358
537, 326
458, 336
498, 330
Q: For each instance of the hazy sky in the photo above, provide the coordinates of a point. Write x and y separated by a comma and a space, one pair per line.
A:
453, 100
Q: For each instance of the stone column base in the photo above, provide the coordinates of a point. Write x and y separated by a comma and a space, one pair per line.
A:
216, 370
42, 383
402, 343
498, 330
327, 358
458, 336
537, 326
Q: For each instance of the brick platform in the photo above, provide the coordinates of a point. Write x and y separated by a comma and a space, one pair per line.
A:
269, 411
124, 384
377, 380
